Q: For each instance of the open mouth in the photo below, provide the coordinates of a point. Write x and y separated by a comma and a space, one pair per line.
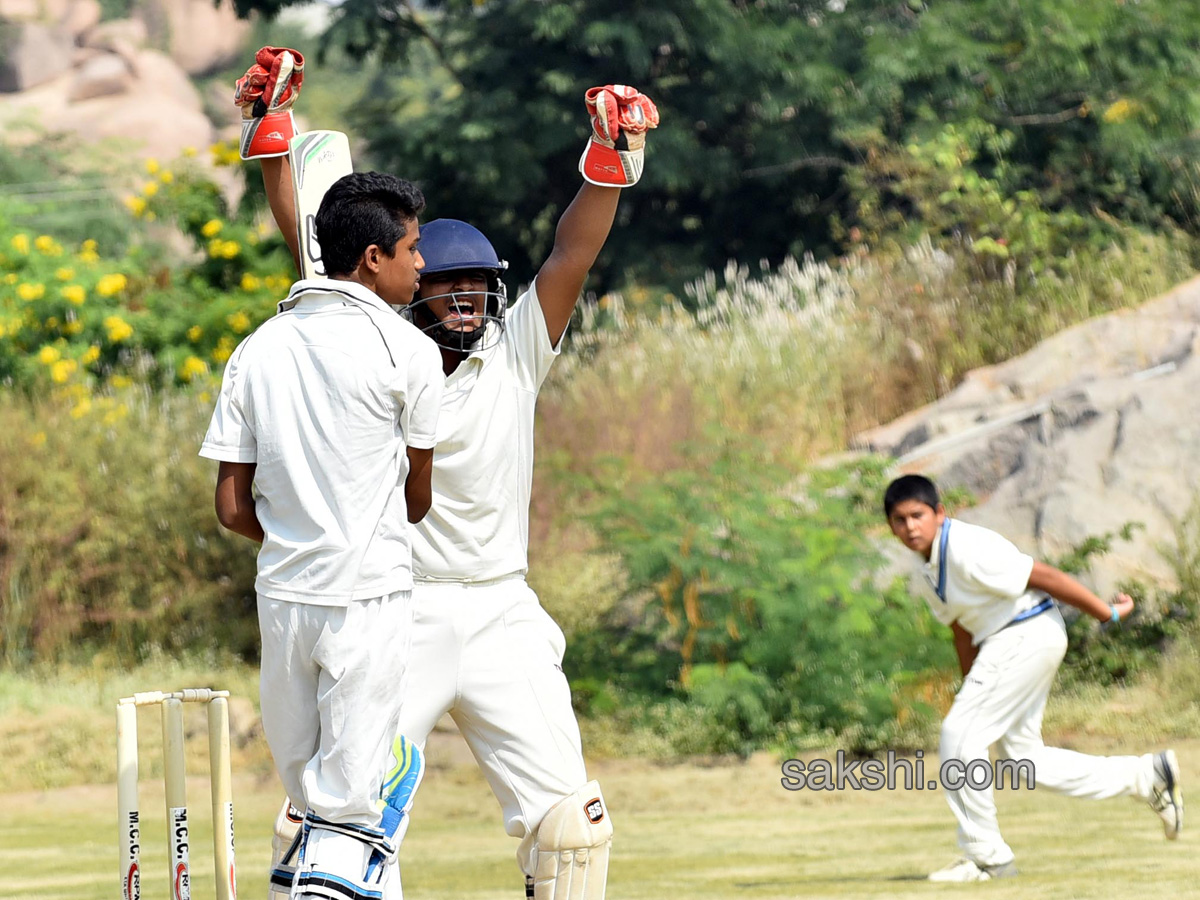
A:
461, 313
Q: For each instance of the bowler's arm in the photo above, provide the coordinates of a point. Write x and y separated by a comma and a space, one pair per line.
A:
1064, 588
235, 500
277, 179
580, 236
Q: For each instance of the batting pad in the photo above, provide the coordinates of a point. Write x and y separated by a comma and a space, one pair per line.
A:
569, 854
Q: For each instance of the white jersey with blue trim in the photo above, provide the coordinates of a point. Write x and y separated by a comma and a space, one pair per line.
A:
477, 529
980, 579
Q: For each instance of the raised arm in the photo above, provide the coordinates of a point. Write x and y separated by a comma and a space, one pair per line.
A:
611, 160
265, 95
580, 235
277, 179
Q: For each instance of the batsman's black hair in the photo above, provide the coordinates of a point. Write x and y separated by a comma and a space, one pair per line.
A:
910, 487
362, 209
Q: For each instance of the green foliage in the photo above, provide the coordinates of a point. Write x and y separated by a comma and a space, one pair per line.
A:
757, 602
109, 534
1110, 654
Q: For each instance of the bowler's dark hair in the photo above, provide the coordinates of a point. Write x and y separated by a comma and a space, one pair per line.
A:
362, 209
910, 487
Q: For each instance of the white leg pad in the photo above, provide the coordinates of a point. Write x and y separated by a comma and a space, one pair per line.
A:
568, 855
285, 846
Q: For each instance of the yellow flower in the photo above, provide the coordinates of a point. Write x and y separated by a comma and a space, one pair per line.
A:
52, 323
192, 367
38, 439
82, 408
90, 355
46, 244
150, 188
88, 246
61, 371
1120, 111
64, 274
20, 243
239, 322
11, 278
151, 216
120, 381
111, 284
113, 416
136, 205
118, 329
73, 327
88, 256
29, 292
224, 350
3, 330
211, 228
230, 249
189, 152
195, 333
250, 282
166, 176
75, 293
151, 166
48, 355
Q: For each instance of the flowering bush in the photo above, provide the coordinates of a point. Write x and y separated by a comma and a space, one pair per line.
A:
72, 318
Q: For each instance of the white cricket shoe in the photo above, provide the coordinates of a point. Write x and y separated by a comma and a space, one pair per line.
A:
967, 870
1166, 796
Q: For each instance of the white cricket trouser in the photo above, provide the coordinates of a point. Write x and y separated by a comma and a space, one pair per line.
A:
492, 657
1002, 699
330, 690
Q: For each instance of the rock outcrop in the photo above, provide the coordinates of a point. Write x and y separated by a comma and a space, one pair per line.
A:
64, 69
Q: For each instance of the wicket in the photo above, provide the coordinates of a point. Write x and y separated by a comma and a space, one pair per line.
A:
128, 815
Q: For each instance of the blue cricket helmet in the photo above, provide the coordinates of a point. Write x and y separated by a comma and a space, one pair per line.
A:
450, 245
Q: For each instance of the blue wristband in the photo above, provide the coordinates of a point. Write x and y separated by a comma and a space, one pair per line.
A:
1115, 618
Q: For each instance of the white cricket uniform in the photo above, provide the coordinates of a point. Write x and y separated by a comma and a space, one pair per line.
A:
981, 581
325, 398
483, 649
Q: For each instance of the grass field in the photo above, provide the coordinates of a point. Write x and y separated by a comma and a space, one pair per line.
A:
683, 831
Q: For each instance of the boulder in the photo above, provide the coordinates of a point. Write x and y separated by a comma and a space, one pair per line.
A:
100, 76
20, 10
202, 37
32, 53
158, 74
116, 34
1093, 428
81, 16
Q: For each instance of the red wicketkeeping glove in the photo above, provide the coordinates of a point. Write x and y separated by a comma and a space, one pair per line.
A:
266, 94
621, 116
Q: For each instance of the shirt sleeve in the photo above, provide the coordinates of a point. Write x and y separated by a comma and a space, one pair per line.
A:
995, 564
529, 340
230, 436
423, 395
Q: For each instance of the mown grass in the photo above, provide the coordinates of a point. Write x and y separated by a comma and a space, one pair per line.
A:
689, 830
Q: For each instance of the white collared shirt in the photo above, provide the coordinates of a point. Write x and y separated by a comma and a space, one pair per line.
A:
986, 579
325, 397
478, 526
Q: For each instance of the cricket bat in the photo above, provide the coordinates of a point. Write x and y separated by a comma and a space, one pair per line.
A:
318, 159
